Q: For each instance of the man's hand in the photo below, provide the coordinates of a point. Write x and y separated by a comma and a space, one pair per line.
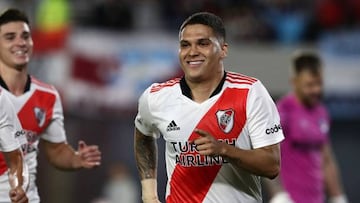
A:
88, 156
17, 195
206, 144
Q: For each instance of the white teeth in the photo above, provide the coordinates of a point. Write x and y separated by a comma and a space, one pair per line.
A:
195, 62
19, 52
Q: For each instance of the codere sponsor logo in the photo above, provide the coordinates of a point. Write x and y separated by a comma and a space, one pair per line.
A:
274, 129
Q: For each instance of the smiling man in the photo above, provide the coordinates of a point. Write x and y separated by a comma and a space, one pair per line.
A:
17, 174
221, 128
38, 107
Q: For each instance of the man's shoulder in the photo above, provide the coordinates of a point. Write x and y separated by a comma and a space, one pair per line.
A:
38, 84
159, 94
287, 103
162, 87
286, 100
240, 79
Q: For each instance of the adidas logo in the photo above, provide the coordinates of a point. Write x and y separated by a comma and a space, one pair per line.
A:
172, 126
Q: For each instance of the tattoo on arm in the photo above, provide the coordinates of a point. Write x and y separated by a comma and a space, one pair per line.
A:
146, 155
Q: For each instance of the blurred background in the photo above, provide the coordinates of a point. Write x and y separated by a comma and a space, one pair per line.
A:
102, 54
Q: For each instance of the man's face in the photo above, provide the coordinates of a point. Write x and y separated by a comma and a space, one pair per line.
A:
200, 52
309, 87
15, 44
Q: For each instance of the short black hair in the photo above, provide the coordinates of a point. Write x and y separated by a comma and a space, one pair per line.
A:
306, 61
208, 19
13, 15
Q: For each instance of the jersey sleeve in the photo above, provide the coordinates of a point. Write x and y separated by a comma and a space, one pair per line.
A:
263, 118
8, 126
144, 121
55, 132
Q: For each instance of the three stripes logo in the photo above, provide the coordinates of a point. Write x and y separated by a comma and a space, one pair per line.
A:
172, 126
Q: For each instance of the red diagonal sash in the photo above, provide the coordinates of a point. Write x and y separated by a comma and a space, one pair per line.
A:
191, 184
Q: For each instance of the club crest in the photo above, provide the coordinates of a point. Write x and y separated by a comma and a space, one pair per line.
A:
40, 116
225, 119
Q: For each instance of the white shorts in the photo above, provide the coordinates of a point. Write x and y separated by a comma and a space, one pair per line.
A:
31, 193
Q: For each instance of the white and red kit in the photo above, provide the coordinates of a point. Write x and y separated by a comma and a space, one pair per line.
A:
40, 114
8, 125
240, 112
11, 138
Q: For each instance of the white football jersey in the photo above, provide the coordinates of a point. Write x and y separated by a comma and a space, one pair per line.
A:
9, 125
40, 113
240, 112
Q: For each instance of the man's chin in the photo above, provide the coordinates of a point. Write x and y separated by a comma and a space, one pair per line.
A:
194, 77
193, 74
20, 66
312, 102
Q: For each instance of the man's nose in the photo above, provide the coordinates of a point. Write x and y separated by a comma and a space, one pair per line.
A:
21, 41
193, 51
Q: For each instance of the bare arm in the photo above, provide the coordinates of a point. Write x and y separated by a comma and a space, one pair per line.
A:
331, 173
15, 162
146, 160
263, 161
64, 157
146, 155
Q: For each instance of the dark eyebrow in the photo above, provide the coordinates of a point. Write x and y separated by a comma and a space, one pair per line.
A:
204, 39
25, 33
184, 42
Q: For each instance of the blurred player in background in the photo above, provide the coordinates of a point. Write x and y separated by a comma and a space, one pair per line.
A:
17, 182
222, 129
308, 167
37, 104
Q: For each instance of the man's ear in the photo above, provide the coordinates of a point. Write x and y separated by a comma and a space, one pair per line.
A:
224, 50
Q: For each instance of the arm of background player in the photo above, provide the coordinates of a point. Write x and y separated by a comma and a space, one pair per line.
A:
276, 191
332, 178
273, 186
64, 157
14, 160
264, 161
146, 160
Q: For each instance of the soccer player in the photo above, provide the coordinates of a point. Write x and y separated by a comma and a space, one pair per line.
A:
37, 105
10, 147
308, 167
222, 129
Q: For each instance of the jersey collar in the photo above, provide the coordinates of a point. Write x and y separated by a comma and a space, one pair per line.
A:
27, 85
186, 91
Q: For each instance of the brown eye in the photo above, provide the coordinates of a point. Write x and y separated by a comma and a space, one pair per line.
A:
9, 37
184, 45
26, 36
204, 43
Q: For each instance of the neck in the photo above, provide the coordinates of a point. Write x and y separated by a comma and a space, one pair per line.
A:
302, 102
202, 90
15, 79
